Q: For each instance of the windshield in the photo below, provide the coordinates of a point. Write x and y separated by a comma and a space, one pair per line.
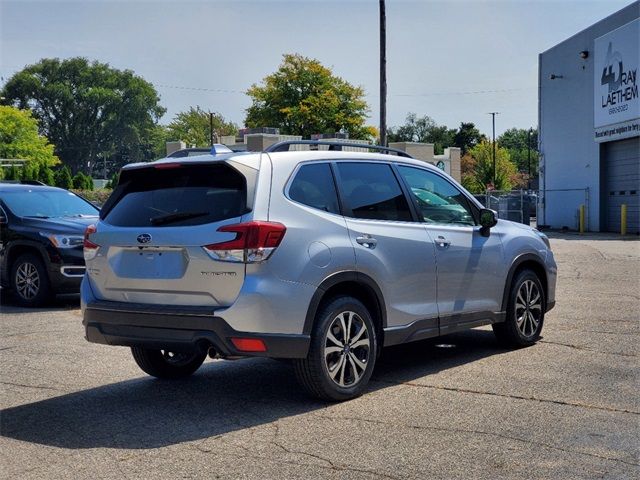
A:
47, 203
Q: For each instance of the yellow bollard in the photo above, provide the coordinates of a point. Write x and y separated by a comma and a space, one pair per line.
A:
623, 219
581, 218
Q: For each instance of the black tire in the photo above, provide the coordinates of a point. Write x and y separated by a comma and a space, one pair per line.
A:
524, 323
346, 362
167, 364
29, 281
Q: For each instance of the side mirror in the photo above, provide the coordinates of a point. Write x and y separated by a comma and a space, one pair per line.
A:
488, 220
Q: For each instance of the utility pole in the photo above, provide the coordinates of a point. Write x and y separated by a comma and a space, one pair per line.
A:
493, 122
383, 74
529, 158
211, 128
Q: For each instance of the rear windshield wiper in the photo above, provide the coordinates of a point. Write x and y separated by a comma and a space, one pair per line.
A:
176, 217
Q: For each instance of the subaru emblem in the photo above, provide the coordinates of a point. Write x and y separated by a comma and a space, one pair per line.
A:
144, 238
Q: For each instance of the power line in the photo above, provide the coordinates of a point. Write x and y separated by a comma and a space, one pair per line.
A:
428, 94
424, 94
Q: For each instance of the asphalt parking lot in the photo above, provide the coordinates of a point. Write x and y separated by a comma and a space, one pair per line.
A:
456, 407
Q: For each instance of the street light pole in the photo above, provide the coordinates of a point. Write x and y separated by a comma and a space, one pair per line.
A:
493, 122
529, 158
383, 74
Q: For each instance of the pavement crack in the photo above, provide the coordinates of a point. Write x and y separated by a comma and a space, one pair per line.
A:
578, 347
514, 397
480, 432
39, 387
250, 454
329, 463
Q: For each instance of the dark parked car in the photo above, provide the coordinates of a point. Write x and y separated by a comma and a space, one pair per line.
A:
41, 235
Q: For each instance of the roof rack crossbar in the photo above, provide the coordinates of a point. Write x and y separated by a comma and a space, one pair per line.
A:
284, 146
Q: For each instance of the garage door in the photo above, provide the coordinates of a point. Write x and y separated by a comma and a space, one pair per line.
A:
622, 183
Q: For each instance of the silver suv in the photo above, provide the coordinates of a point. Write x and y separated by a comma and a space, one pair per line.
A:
323, 257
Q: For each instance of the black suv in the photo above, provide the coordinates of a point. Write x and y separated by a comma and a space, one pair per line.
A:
41, 235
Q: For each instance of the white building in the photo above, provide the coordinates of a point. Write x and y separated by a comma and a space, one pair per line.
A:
589, 117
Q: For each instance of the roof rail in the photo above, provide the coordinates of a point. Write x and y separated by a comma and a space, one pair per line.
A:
336, 146
24, 182
32, 182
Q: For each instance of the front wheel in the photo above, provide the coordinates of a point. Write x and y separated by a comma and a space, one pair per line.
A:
342, 353
29, 281
525, 312
167, 364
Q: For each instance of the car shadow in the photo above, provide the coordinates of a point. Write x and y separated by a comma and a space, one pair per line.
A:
9, 304
222, 397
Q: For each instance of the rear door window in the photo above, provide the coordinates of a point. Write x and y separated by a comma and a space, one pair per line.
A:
371, 191
180, 195
313, 186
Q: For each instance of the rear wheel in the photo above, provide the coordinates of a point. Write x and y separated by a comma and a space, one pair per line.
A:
29, 280
342, 353
525, 312
167, 364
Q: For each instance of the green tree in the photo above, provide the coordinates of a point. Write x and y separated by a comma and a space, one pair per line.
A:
13, 173
82, 182
19, 139
63, 178
304, 97
478, 169
114, 181
424, 130
523, 147
46, 176
88, 109
467, 137
192, 127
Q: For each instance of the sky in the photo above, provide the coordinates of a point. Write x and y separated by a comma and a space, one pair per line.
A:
453, 60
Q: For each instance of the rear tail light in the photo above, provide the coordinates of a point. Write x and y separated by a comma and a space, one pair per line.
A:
89, 248
166, 166
254, 242
249, 344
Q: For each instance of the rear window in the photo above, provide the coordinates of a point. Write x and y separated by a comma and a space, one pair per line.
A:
372, 192
314, 186
183, 195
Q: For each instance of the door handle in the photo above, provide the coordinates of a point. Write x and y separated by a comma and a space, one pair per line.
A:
442, 242
367, 241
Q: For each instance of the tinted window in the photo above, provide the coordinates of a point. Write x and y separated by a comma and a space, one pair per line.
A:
185, 195
372, 191
438, 201
47, 203
313, 186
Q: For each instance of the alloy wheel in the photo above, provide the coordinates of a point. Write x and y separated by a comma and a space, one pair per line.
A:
27, 281
528, 309
346, 349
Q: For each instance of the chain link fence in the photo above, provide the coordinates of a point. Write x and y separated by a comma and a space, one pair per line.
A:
515, 205
528, 206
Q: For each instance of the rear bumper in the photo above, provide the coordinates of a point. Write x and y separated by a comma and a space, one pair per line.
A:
179, 328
